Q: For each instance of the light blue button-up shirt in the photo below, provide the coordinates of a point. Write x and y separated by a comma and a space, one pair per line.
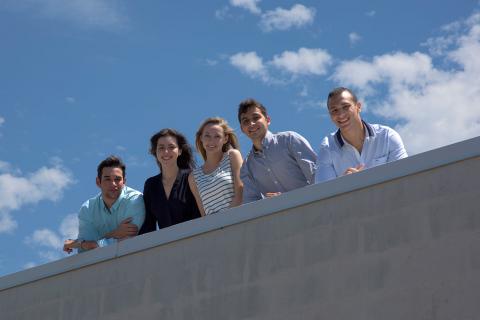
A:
286, 162
96, 220
381, 145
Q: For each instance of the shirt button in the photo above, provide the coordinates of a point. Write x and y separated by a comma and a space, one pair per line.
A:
268, 169
276, 182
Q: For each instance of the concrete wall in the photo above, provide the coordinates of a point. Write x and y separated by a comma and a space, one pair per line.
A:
400, 241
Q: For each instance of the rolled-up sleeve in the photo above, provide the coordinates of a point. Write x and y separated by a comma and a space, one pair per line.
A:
136, 210
304, 155
251, 191
86, 226
325, 169
396, 148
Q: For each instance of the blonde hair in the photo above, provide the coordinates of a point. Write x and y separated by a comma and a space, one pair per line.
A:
232, 141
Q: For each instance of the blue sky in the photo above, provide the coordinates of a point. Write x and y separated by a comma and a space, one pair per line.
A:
82, 79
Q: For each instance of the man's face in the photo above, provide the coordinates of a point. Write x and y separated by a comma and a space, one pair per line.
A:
111, 183
254, 124
344, 112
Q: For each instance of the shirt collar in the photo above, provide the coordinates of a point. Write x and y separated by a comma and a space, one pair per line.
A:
265, 142
117, 202
366, 126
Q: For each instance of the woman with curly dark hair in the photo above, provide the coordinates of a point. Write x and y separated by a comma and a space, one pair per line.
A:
168, 198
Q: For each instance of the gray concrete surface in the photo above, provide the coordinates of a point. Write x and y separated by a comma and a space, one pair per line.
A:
405, 247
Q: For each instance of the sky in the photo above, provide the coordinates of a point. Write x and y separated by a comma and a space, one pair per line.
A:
83, 79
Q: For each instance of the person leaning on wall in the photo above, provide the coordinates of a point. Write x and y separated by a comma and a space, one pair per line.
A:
356, 145
168, 198
116, 213
278, 162
216, 184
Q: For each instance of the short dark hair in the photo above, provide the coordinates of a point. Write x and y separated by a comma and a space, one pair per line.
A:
338, 91
110, 162
185, 160
246, 104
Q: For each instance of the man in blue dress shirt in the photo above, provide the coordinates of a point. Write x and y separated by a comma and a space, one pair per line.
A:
116, 213
356, 145
277, 162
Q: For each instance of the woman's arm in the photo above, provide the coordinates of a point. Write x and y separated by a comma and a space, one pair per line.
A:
150, 223
236, 163
196, 194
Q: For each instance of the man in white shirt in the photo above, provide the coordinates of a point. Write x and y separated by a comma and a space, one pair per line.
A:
356, 145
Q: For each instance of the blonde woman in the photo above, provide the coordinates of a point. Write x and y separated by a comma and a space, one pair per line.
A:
216, 185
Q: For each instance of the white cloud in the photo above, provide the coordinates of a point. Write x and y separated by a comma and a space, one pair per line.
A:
370, 13
250, 5
44, 238
51, 241
211, 62
5, 166
222, 13
29, 265
249, 63
70, 100
304, 92
69, 226
104, 14
354, 37
2, 121
433, 106
50, 255
283, 19
303, 62
17, 191
7, 224
398, 68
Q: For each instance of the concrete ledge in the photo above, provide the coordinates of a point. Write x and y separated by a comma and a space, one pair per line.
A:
412, 165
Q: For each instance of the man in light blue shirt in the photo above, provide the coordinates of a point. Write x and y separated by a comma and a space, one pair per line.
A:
278, 162
116, 213
356, 145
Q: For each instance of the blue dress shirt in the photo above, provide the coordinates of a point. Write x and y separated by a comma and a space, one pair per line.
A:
96, 220
381, 145
286, 162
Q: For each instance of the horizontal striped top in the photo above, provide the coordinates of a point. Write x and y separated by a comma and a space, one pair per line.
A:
215, 188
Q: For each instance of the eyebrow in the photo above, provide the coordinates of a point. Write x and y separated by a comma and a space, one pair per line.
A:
246, 117
108, 176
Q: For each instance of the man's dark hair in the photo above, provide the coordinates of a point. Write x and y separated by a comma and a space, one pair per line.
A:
110, 162
245, 105
184, 160
338, 91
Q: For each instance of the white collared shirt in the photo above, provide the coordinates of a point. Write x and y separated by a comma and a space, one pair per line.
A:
381, 145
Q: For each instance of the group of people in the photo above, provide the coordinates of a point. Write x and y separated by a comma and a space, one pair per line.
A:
277, 163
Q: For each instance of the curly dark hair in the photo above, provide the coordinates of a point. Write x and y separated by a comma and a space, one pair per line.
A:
185, 160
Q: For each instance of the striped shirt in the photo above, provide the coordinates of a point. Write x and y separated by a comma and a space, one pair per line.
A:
215, 188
